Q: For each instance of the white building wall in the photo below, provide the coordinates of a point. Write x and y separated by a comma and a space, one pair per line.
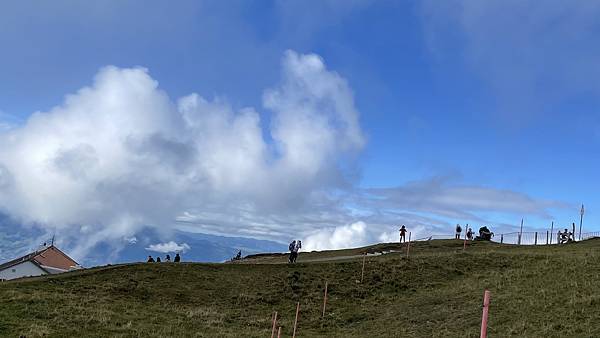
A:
24, 269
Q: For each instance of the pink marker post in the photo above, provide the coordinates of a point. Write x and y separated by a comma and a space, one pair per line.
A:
296, 320
484, 317
274, 325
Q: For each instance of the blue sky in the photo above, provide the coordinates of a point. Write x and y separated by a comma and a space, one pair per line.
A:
498, 96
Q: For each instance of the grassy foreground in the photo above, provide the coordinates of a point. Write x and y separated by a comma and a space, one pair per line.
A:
536, 292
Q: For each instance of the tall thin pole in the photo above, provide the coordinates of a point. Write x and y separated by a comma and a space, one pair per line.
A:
520, 232
551, 232
274, 325
362, 273
465, 242
581, 221
484, 317
408, 247
296, 320
325, 300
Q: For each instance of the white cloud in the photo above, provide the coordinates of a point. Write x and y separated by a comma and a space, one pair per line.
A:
340, 237
169, 247
120, 155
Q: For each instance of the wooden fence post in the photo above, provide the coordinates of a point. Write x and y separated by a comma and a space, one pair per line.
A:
547, 236
362, 273
325, 300
408, 247
484, 317
501, 238
551, 232
465, 242
274, 325
535, 240
296, 320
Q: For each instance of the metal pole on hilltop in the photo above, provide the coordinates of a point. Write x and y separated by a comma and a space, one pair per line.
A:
551, 232
520, 233
581, 220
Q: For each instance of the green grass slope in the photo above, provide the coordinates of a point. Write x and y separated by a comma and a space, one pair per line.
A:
536, 292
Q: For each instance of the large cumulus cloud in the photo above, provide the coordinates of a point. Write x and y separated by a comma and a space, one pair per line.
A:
121, 155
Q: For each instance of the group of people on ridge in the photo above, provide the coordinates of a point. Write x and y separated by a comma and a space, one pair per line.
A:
177, 259
484, 233
565, 237
294, 247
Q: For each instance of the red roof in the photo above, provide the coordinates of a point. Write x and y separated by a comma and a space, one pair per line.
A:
50, 257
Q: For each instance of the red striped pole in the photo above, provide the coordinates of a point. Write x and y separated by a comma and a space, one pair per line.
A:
484, 317
296, 320
274, 324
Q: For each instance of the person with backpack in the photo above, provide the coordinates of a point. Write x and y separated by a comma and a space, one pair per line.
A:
168, 259
177, 258
297, 249
150, 259
292, 249
458, 231
158, 259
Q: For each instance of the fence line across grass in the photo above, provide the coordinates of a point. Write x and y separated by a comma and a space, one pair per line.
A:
519, 238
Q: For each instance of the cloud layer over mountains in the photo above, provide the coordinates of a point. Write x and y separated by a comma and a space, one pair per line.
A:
121, 155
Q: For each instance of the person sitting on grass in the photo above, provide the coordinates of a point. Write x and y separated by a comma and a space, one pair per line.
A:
158, 259
470, 234
564, 236
150, 259
559, 237
168, 259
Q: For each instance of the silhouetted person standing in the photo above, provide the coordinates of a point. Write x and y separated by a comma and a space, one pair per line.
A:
158, 259
292, 249
458, 231
403, 234
177, 258
168, 259
150, 259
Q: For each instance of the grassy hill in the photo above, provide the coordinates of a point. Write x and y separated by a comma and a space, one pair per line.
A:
536, 292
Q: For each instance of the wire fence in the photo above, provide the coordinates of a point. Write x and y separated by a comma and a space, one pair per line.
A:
521, 238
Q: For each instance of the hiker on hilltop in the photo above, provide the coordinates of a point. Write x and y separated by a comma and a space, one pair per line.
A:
150, 259
458, 231
168, 259
292, 248
158, 259
402, 234
297, 249
177, 258
470, 234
